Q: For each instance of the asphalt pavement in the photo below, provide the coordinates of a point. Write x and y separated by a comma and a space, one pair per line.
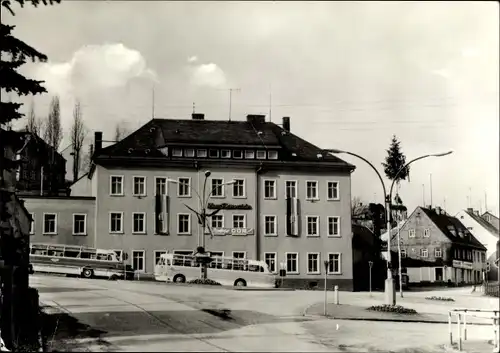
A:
100, 315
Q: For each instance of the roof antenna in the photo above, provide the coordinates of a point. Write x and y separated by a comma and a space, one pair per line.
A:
231, 90
194, 108
270, 103
153, 104
485, 202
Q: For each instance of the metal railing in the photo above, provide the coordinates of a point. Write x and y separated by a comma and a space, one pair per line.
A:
492, 289
461, 315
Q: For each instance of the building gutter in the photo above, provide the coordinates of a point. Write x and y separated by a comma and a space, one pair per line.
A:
257, 212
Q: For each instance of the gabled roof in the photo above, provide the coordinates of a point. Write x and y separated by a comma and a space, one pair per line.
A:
483, 223
446, 223
157, 133
490, 214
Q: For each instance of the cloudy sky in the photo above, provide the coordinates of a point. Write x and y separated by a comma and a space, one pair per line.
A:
350, 75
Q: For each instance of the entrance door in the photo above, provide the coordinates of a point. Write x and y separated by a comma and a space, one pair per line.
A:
438, 274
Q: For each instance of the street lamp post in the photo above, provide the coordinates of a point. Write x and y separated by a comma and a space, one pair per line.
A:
202, 214
390, 294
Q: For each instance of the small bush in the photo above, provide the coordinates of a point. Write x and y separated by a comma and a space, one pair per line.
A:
443, 299
207, 281
398, 309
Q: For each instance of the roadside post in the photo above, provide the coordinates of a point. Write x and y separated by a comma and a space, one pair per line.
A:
370, 264
325, 311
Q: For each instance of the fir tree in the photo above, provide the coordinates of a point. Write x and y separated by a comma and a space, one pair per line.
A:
394, 161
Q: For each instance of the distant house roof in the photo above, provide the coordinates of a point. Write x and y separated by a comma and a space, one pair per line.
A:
483, 223
449, 225
145, 143
41, 143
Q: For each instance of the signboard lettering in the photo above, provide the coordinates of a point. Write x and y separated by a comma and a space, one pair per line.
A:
231, 231
227, 206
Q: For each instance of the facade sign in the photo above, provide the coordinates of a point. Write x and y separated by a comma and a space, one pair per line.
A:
462, 264
231, 231
457, 263
227, 206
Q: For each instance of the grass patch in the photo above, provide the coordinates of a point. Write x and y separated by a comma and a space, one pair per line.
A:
443, 299
396, 309
207, 281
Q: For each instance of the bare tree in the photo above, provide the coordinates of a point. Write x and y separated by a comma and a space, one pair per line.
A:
356, 206
78, 132
87, 159
53, 129
34, 125
120, 132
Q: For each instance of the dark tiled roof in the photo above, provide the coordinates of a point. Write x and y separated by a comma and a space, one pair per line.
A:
160, 132
446, 222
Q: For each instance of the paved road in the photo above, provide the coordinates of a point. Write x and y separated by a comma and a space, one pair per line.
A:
148, 316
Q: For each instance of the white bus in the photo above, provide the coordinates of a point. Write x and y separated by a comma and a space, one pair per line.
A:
75, 260
227, 271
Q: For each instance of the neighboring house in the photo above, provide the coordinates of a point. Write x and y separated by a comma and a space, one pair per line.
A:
486, 233
364, 249
45, 169
436, 247
290, 205
491, 219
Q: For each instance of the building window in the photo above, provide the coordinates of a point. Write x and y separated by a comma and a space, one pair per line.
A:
184, 223
139, 222
270, 225
239, 188
334, 226
184, 187
201, 153
116, 185
238, 221
313, 263
237, 154
269, 189
334, 264
32, 223
249, 154
157, 254
176, 152
261, 154
161, 185
411, 233
138, 260
189, 152
424, 253
217, 188
272, 154
438, 253
217, 221
292, 262
403, 253
312, 226
239, 254
49, 223
311, 190
427, 233
79, 224
270, 258
333, 190
139, 186
291, 188
116, 222
213, 153
225, 154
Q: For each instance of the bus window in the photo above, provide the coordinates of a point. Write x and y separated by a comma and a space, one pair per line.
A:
71, 253
261, 269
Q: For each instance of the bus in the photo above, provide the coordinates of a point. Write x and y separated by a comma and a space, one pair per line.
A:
75, 260
227, 271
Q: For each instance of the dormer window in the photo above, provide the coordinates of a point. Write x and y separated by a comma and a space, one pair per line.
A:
189, 152
201, 153
225, 153
461, 234
261, 154
214, 153
176, 152
238, 154
272, 154
249, 154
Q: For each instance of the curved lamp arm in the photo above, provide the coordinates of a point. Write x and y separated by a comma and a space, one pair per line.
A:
190, 187
215, 188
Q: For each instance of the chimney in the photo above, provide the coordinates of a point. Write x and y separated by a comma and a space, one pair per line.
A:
476, 212
198, 116
438, 210
286, 123
470, 210
256, 119
97, 141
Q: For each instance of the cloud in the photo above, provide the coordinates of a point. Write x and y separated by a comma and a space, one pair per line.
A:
208, 75
94, 67
192, 59
470, 52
